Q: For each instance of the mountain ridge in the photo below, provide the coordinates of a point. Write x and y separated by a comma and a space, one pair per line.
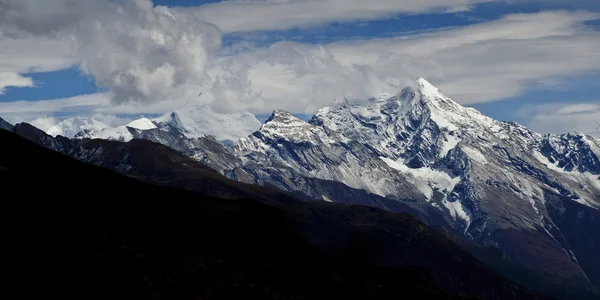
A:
486, 176
151, 241
488, 179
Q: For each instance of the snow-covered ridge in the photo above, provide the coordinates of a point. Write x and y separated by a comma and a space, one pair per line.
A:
70, 127
454, 158
417, 147
194, 121
362, 143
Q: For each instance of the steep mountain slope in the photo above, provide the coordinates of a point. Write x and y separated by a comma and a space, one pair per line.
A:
134, 240
496, 182
5, 125
534, 197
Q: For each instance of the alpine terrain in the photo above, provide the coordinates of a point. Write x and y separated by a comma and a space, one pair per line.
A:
108, 236
488, 184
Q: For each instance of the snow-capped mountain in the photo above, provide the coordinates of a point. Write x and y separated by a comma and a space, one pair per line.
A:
435, 149
122, 133
535, 197
487, 178
70, 127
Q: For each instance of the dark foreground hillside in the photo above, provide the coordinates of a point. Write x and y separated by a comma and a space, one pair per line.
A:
79, 231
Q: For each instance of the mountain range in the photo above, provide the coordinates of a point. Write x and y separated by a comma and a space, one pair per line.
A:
191, 121
533, 198
109, 236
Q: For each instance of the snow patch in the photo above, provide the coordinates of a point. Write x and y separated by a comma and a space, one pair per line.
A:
120, 133
474, 154
365, 112
326, 199
142, 124
544, 160
442, 122
457, 211
427, 179
451, 143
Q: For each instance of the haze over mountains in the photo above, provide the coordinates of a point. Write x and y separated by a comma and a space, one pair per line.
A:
192, 121
533, 197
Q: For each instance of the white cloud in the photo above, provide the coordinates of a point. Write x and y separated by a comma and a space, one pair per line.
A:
14, 80
562, 118
111, 120
478, 63
43, 123
98, 105
46, 113
46, 122
488, 61
255, 15
25, 55
297, 77
141, 53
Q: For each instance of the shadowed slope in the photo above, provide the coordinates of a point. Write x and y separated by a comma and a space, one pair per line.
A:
137, 239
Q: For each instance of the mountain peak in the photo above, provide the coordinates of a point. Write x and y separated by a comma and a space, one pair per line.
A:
429, 92
5, 125
281, 117
424, 83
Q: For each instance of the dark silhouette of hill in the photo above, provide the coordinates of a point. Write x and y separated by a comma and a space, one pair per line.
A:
331, 226
80, 231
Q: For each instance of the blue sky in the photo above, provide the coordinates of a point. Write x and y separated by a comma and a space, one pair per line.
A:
248, 37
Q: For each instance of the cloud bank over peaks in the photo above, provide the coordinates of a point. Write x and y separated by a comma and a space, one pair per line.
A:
139, 52
297, 77
483, 62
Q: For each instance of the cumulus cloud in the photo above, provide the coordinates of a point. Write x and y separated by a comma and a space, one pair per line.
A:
254, 15
140, 52
562, 118
144, 54
293, 76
